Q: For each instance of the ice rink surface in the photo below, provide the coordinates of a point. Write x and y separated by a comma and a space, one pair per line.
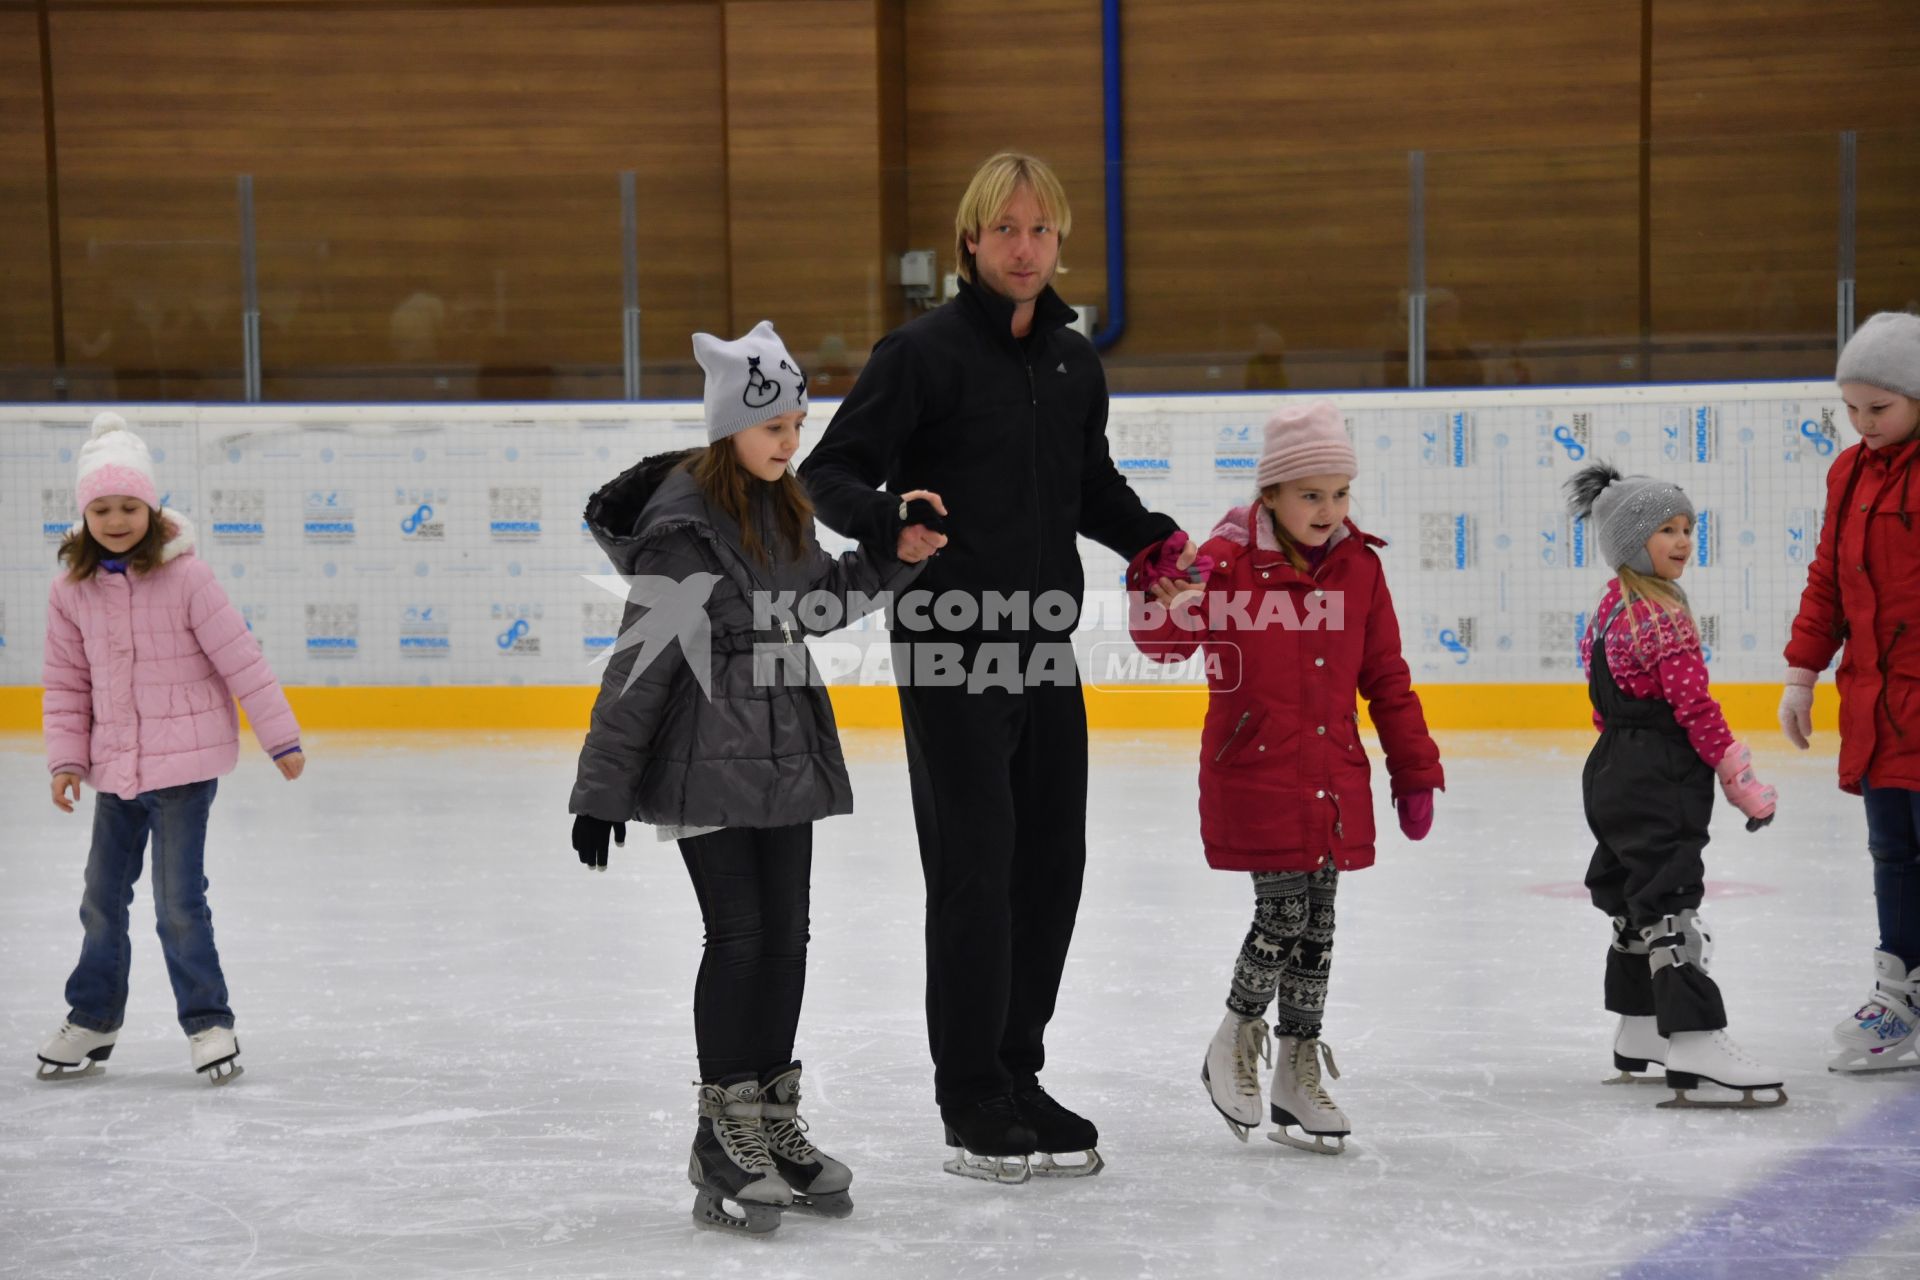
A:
468, 1056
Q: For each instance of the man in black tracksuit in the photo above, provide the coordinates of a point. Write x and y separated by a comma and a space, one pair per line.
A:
993, 403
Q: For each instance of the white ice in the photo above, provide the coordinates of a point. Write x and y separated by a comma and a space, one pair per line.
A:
467, 1055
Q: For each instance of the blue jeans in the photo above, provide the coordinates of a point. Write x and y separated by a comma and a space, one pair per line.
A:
1893, 838
176, 817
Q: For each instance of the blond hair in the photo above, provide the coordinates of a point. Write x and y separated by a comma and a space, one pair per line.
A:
1659, 595
993, 185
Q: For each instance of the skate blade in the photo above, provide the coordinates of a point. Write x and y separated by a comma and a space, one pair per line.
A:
59, 1071
710, 1214
1009, 1171
830, 1204
1858, 1062
1628, 1077
1681, 1101
221, 1072
1240, 1128
1324, 1144
1089, 1164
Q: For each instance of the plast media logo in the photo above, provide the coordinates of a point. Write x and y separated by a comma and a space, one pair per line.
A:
1817, 438
328, 516
1448, 540
333, 630
1803, 535
1453, 639
424, 633
57, 513
1570, 439
599, 625
513, 513
516, 629
1236, 450
239, 515
423, 514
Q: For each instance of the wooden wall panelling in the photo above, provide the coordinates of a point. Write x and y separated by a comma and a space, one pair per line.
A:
808, 140
26, 278
1887, 238
1748, 102
1744, 255
466, 154
1220, 102
1533, 265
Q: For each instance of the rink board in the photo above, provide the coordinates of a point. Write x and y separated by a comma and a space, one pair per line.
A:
425, 565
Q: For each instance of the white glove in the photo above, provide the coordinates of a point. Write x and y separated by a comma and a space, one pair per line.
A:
1796, 706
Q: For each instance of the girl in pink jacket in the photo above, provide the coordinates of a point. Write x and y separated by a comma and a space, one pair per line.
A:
144, 658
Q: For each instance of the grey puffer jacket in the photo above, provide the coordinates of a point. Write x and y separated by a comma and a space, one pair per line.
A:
754, 754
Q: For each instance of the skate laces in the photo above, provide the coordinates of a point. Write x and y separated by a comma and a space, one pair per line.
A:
1306, 1069
742, 1135
1250, 1044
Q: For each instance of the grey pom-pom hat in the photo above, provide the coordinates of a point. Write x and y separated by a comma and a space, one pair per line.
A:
1626, 511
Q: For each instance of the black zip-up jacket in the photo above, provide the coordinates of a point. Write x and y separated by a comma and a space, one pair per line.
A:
1011, 433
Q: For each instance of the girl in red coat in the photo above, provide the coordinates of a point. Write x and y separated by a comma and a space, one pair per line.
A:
1291, 606
1862, 600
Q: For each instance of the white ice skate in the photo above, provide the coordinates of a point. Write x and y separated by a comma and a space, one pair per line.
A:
214, 1054
1695, 1058
1231, 1071
74, 1053
1638, 1048
1884, 1033
1300, 1102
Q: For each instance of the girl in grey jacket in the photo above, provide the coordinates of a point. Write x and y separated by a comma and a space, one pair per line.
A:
713, 725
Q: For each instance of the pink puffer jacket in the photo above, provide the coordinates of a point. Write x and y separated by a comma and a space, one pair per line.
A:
141, 672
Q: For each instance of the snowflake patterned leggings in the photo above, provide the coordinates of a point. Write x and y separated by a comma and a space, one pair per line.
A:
1288, 952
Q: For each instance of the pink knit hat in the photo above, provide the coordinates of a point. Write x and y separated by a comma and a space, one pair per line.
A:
1305, 440
115, 461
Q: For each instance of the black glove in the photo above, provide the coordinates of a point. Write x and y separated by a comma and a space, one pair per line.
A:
921, 512
590, 839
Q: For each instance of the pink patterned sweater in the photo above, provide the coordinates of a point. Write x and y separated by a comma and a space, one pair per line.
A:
1654, 653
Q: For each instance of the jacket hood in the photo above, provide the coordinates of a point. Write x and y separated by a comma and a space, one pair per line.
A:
618, 513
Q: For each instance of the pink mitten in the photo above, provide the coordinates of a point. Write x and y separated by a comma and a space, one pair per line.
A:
1744, 791
1167, 563
1416, 814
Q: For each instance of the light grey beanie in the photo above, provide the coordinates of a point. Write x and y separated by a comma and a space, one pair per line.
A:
1884, 352
749, 380
1626, 511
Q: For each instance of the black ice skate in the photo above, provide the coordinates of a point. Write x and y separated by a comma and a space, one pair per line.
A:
731, 1162
819, 1182
990, 1141
1056, 1132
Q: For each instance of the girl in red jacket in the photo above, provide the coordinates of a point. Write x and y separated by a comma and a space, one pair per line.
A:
1648, 790
1291, 606
1862, 600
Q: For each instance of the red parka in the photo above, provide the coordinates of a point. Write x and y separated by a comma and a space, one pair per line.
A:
1284, 779
1863, 593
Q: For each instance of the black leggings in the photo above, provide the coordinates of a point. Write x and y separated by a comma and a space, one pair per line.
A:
752, 884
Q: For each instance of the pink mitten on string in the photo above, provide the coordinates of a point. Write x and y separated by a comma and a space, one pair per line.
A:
1744, 791
1167, 563
1416, 814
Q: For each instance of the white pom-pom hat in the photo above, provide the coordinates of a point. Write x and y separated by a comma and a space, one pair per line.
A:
115, 461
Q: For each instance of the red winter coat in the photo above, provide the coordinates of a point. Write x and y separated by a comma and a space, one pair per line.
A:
1863, 592
1284, 780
